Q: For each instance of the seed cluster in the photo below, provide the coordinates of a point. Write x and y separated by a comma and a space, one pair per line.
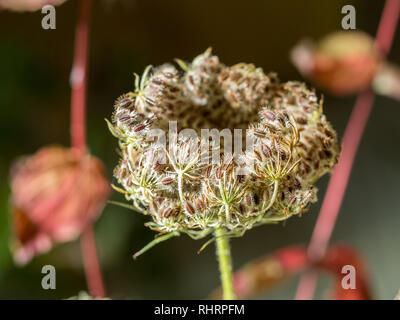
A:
294, 146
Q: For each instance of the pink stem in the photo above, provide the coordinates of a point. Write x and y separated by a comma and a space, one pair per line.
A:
94, 277
387, 25
337, 185
79, 78
338, 182
78, 140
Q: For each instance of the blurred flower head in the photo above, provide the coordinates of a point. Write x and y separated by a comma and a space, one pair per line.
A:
342, 62
266, 272
336, 258
27, 5
55, 193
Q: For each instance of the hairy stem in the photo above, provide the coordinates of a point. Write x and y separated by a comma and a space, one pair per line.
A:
225, 263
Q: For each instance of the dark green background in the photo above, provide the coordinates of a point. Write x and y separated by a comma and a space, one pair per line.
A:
125, 37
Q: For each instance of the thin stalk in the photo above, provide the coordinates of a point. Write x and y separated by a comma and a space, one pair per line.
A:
180, 188
78, 80
273, 198
91, 262
337, 185
225, 263
156, 241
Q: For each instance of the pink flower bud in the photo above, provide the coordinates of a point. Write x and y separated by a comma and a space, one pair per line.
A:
55, 194
342, 63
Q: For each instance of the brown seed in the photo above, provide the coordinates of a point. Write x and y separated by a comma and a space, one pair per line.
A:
258, 156
199, 205
282, 121
266, 150
139, 127
124, 119
167, 181
253, 212
302, 121
271, 127
269, 115
124, 103
189, 208
191, 80
150, 101
156, 166
259, 133
167, 212
208, 171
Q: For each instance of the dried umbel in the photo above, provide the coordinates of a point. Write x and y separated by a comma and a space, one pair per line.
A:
56, 193
179, 185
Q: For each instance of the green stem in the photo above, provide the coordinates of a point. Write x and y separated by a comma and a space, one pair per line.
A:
225, 263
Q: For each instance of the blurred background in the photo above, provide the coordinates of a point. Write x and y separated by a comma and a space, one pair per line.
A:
125, 37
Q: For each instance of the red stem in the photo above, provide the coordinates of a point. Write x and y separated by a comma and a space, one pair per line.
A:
337, 185
79, 78
338, 182
78, 140
94, 277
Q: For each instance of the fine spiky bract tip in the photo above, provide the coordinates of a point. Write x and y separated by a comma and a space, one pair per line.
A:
156, 241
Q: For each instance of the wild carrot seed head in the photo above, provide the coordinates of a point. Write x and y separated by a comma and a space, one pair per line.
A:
180, 186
